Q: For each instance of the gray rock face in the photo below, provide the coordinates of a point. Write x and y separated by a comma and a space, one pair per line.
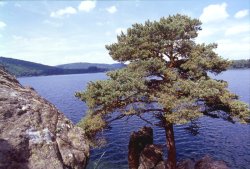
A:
34, 134
208, 163
186, 164
205, 162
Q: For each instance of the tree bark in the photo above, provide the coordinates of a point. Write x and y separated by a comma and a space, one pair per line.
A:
171, 161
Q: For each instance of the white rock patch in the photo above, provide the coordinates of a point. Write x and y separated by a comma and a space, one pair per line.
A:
39, 136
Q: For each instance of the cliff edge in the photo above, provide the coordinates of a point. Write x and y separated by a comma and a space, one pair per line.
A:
34, 134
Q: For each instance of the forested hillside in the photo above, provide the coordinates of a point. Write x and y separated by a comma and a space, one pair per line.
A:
84, 65
239, 64
25, 68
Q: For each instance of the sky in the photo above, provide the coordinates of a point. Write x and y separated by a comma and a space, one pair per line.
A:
59, 32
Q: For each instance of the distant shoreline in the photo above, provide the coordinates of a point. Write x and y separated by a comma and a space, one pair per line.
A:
21, 68
240, 64
103, 72
58, 74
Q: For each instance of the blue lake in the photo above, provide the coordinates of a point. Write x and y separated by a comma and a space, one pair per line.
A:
223, 140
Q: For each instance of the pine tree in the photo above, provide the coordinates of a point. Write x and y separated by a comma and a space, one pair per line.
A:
166, 76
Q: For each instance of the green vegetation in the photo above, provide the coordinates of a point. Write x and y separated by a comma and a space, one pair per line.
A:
24, 68
167, 78
240, 64
21, 68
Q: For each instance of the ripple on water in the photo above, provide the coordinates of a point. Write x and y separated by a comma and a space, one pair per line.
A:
223, 140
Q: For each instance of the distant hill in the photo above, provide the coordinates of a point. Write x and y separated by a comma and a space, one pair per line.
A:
25, 68
84, 65
236, 64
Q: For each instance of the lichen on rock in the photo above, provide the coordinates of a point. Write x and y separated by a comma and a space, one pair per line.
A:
34, 134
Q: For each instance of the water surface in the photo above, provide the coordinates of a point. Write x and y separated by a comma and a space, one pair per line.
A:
224, 140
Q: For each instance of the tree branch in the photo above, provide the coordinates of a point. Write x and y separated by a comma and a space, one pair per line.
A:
142, 118
117, 118
151, 110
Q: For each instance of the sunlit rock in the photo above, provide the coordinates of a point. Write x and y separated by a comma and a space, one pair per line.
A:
34, 134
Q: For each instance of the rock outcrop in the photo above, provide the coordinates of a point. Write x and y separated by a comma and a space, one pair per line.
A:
206, 162
34, 134
142, 153
137, 142
151, 157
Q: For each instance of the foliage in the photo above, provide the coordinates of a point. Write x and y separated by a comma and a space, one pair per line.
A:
167, 77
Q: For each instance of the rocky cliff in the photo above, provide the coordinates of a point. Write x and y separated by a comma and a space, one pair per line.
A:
34, 134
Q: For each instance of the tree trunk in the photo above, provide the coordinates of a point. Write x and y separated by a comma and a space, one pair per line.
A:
171, 161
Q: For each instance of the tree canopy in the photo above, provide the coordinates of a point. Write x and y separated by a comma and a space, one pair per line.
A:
166, 76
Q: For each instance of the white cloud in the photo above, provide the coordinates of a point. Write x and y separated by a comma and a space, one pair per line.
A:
87, 5
211, 33
246, 39
241, 14
2, 25
119, 30
54, 49
237, 29
61, 12
232, 49
206, 32
111, 9
215, 12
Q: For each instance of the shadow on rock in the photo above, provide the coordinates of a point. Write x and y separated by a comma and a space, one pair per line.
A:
14, 157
